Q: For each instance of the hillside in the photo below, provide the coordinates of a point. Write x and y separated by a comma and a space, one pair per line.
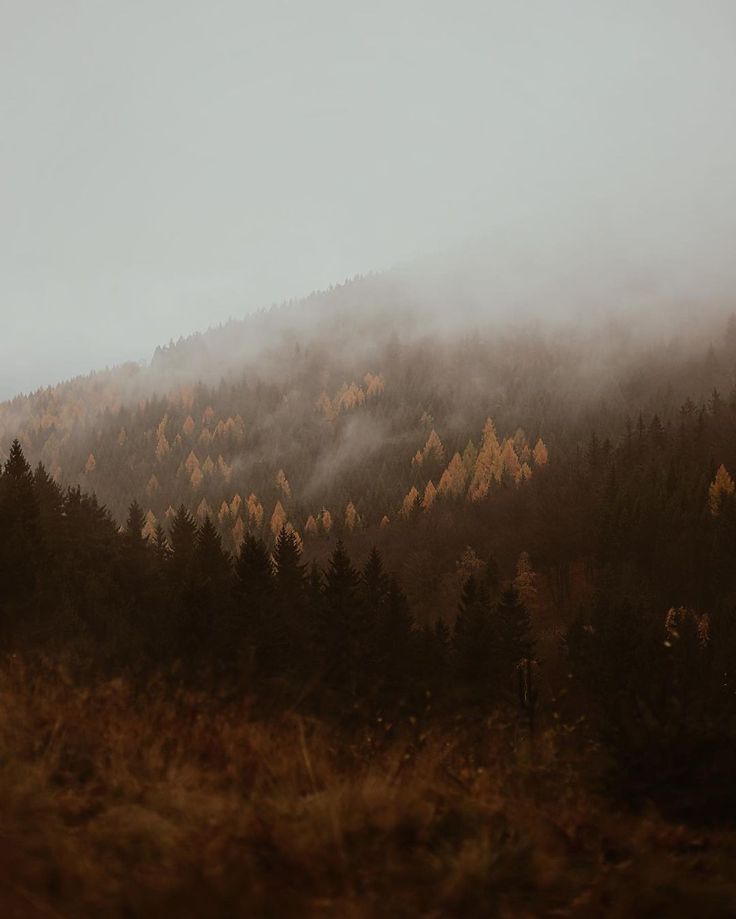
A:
364, 412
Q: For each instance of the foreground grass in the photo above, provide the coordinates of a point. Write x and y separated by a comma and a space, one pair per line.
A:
156, 805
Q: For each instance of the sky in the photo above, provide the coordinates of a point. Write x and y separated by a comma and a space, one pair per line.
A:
167, 165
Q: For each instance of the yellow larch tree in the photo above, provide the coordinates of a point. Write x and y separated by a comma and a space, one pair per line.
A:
235, 505
470, 457
384, 522
310, 527
162, 447
191, 463
325, 520
208, 467
188, 426
255, 512
453, 478
90, 465
153, 486
374, 385
282, 483
195, 479
203, 509
430, 493
149, 527
434, 448
224, 513
540, 453
721, 487
409, 503
223, 468
278, 519
510, 461
351, 516
488, 463
238, 534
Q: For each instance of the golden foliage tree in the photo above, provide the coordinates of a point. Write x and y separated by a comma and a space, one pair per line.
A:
510, 461
351, 516
223, 468
409, 503
162, 447
278, 519
540, 453
721, 487
238, 534
374, 385
255, 512
430, 493
325, 520
149, 527
453, 478
203, 509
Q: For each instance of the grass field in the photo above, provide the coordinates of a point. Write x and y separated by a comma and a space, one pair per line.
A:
157, 804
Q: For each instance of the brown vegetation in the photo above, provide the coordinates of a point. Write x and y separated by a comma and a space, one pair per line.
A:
179, 804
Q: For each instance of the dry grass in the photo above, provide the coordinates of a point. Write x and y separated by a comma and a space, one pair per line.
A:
112, 805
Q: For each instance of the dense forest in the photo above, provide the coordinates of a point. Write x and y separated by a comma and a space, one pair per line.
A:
527, 536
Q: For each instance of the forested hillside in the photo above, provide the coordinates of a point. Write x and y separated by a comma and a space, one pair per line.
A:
398, 546
365, 414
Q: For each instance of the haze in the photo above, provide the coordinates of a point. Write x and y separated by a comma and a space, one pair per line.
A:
166, 165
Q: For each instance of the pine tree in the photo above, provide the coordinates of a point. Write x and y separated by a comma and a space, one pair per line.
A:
341, 632
182, 537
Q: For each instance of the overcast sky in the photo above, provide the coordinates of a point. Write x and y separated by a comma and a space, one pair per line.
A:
164, 165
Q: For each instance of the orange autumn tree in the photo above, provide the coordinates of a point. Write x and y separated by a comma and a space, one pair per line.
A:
720, 488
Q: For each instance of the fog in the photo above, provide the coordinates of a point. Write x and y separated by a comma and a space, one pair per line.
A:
167, 165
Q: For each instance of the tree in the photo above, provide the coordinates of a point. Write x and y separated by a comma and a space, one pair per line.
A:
278, 519
351, 516
282, 483
453, 478
182, 537
341, 629
409, 503
541, 456
21, 548
474, 644
721, 488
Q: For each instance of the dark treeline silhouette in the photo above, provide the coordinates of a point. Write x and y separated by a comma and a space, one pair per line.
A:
336, 639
